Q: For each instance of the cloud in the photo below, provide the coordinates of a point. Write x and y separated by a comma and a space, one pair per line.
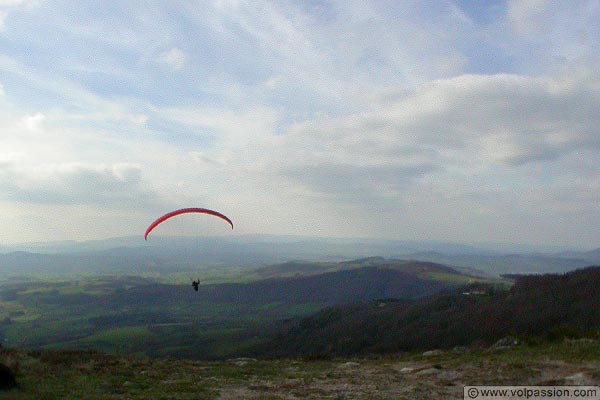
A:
408, 109
548, 34
475, 146
6, 5
528, 16
75, 102
74, 184
353, 183
32, 122
232, 132
444, 131
287, 48
138, 119
3, 15
7, 159
12, 3
175, 58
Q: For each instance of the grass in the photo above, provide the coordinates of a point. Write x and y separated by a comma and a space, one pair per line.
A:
93, 375
447, 277
73, 314
123, 336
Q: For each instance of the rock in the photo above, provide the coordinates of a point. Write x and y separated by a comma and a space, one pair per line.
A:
505, 342
350, 364
428, 371
406, 370
448, 375
7, 378
246, 359
432, 353
241, 361
579, 379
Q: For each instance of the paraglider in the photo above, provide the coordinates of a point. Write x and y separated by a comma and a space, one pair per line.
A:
185, 211
171, 214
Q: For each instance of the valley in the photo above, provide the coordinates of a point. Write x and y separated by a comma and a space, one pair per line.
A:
137, 315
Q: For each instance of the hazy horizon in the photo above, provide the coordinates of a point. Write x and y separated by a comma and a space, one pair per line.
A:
453, 121
475, 247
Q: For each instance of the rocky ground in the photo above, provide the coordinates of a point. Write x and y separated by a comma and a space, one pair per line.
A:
433, 374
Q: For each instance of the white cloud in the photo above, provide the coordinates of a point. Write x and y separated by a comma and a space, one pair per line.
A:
548, 34
175, 58
75, 102
75, 184
139, 119
274, 82
7, 160
6, 5
325, 57
528, 16
475, 147
225, 128
3, 15
32, 122
403, 110
11, 3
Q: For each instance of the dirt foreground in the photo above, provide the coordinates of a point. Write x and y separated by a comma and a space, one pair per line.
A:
430, 375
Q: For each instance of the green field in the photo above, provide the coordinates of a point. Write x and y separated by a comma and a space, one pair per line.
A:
100, 314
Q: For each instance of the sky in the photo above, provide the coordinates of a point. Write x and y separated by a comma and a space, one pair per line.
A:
460, 121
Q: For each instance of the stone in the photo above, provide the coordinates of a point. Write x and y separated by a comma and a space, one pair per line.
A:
432, 353
578, 379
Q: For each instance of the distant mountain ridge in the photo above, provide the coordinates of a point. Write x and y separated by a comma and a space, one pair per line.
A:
133, 254
296, 268
291, 246
513, 263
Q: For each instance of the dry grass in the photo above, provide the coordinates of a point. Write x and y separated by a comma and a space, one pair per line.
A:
91, 375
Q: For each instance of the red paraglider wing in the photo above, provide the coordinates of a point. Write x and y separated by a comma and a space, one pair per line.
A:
184, 211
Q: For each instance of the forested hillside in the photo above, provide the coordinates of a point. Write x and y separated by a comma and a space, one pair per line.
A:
536, 307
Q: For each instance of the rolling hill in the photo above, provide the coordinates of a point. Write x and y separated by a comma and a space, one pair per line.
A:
536, 306
403, 280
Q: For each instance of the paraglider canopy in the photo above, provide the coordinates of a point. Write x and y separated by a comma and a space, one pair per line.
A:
171, 214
